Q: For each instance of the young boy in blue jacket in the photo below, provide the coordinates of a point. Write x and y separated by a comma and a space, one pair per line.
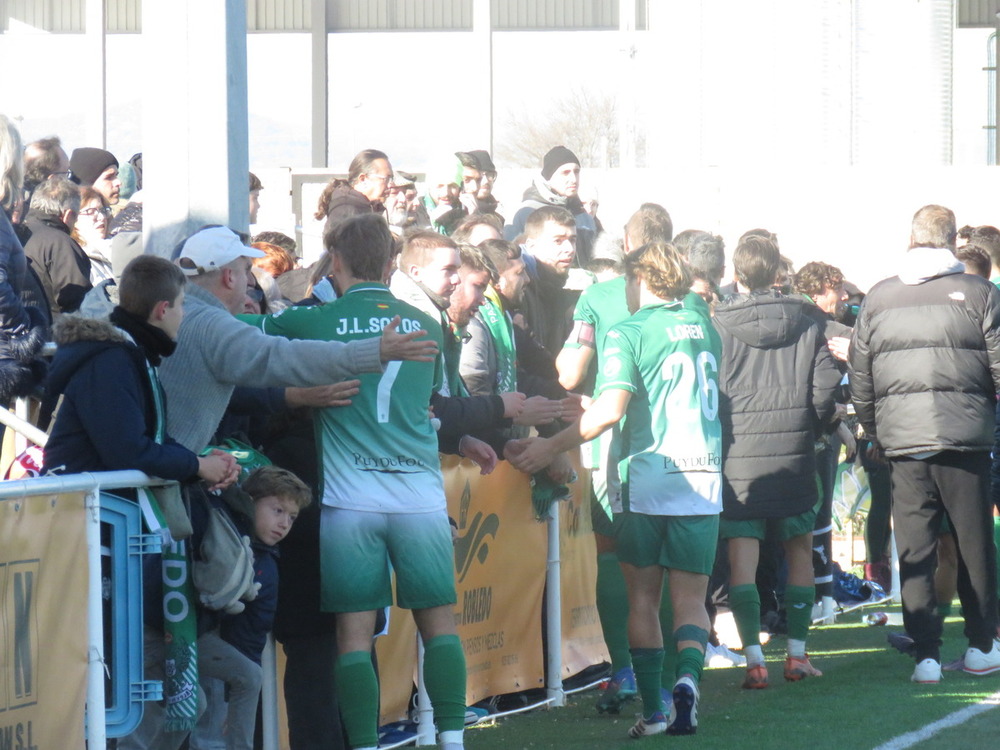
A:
112, 416
263, 508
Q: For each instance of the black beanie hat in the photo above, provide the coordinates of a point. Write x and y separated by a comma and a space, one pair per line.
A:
555, 158
485, 162
86, 164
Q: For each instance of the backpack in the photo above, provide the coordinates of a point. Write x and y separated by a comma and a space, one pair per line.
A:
223, 571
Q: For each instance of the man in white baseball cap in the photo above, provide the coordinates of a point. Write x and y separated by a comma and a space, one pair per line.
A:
215, 259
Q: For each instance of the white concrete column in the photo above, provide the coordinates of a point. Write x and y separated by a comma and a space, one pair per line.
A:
95, 23
319, 38
625, 106
482, 29
902, 82
195, 134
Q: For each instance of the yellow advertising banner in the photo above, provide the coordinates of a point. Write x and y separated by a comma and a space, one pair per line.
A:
500, 575
582, 638
43, 622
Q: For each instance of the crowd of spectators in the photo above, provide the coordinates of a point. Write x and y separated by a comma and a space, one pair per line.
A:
436, 320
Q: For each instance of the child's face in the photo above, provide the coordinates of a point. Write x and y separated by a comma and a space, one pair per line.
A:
170, 323
273, 517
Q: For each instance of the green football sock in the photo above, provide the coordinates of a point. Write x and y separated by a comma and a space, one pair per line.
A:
444, 676
944, 609
799, 605
691, 661
648, 665
744, 601
612, 609
667, 629
357, 690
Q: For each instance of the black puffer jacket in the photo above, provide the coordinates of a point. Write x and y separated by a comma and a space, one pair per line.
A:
23, 329
925, 358
777, 382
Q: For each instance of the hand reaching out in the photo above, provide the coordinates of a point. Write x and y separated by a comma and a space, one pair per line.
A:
479, 452
513, 404
411, 346
529, 455
335, 394
539, 410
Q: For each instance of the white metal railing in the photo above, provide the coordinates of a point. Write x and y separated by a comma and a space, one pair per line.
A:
17, 420
92, 484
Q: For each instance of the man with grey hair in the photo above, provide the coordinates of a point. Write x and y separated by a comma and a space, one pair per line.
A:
44, 159
61, 265
925, 371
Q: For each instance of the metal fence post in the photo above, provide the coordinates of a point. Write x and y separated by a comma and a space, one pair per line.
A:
553, 616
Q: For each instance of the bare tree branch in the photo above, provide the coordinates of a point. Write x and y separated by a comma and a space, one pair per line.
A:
583, 121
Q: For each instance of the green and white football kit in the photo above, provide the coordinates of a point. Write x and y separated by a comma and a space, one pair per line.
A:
667, 356
602, 307
383, 498
380, 462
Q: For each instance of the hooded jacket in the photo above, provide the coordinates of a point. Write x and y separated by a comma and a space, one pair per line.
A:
777, 382
925, 358
107, 420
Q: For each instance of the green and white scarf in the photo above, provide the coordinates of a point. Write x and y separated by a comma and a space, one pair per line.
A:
180, 622
181, 638
452, 359
501, 330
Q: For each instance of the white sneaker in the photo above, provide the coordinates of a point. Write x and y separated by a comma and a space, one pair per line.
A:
979, 663
927, 672
655, 724
720, 657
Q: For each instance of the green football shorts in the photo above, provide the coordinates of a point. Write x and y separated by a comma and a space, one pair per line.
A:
757, 528
356, 551
675, 542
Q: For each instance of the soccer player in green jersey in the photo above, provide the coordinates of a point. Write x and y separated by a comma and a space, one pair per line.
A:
659, 371
601, 307
382, 491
